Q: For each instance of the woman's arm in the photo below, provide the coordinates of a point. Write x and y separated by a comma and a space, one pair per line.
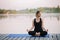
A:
31, 27
43, 26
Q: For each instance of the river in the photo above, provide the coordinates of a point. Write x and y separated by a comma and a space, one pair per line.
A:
18, 23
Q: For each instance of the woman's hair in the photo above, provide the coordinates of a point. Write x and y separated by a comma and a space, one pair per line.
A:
37, 12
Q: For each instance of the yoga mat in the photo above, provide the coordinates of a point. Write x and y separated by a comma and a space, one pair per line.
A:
25, 35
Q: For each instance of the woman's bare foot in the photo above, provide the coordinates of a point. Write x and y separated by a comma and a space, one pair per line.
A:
37, 34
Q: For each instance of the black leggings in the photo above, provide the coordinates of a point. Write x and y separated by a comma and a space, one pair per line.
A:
42, 33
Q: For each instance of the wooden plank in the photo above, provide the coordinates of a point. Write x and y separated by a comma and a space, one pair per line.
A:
15, 38
19, 38
23, 38
28, 38
32, 38
46, 38
50, 37
54, 36
6, 38
0, 35
41, 38
11, 38
37, 38
3, 36
58, 36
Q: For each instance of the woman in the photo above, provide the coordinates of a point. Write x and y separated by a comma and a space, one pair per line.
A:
37, 24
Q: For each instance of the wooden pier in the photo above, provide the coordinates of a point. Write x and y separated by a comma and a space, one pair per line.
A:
19, 37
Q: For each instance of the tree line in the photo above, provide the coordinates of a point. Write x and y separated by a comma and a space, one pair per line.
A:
33, 10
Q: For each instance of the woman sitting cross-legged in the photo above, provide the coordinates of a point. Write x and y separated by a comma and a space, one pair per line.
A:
37, 24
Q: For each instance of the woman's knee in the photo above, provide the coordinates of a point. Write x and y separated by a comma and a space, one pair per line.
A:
31, 33
45, 32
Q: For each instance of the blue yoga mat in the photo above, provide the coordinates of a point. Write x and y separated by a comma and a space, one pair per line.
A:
24, 35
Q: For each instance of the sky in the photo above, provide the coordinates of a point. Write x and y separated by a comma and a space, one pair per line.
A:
23, 4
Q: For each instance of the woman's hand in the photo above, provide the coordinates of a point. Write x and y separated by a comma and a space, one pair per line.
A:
46, 30
28, 30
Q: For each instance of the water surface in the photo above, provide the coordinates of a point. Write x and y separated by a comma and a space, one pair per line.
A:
20, 22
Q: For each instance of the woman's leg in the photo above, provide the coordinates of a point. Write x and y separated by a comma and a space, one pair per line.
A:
32, 33
43, 33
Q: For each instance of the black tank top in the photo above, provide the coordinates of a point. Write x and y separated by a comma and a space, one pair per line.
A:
38, 25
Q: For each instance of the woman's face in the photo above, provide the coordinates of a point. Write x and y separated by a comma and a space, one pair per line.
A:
39, 14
